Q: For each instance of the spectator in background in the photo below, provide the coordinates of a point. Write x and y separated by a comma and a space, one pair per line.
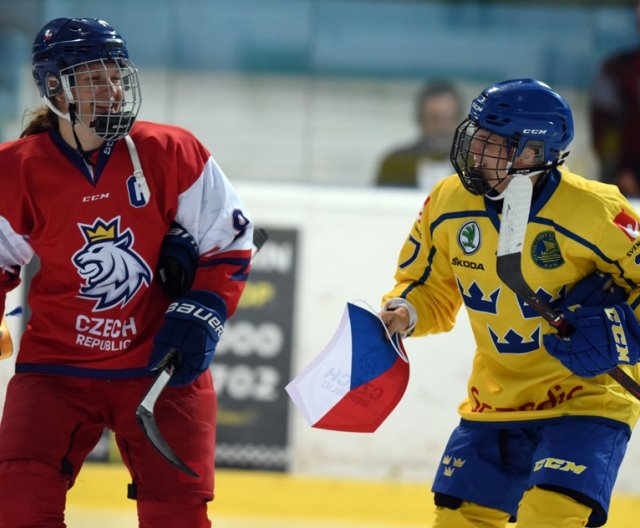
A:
421, 164
615, 119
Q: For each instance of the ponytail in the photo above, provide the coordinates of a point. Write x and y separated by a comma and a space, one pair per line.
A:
42, 120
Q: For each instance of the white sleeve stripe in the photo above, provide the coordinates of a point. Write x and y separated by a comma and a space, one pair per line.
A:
206, 211
14, 249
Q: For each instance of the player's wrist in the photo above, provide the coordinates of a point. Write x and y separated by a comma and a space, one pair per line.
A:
396, 303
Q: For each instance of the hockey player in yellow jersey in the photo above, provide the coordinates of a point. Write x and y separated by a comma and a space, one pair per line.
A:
543, 428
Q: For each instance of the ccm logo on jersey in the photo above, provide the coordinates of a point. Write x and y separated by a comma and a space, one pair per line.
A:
95, 197
619, 337
195, 311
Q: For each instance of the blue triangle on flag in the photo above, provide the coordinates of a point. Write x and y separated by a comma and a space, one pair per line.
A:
372, 353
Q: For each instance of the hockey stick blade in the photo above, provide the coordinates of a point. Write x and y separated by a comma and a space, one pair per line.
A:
144, 412
147, 420
513, 227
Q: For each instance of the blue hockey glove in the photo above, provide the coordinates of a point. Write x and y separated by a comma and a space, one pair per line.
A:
193, 325
596, 289
604, 338
177, 261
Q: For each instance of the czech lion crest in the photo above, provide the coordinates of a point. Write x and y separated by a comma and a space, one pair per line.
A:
113, 272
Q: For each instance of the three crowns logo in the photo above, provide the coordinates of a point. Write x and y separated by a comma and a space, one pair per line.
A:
447, 461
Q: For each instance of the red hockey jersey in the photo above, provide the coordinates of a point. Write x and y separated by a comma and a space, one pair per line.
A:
94, 301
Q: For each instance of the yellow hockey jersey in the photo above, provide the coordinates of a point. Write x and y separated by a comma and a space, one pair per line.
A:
576, 227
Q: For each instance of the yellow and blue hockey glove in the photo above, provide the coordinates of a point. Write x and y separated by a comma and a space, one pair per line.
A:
191, 330
604, 338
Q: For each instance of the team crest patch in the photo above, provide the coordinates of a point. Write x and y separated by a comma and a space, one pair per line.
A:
469, 237
113, 272
545, 251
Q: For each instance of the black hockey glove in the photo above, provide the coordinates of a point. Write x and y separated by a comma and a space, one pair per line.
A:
177, 262
192, 327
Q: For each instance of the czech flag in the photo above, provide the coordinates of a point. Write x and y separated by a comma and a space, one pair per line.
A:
357, 380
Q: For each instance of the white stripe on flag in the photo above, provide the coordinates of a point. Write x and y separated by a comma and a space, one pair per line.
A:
327, 378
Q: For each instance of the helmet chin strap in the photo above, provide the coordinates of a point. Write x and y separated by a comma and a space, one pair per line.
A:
74, 121
72, 117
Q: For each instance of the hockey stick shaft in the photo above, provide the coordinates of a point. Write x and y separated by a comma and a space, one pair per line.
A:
515, 216
145, 410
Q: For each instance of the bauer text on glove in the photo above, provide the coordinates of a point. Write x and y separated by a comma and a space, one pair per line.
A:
193, 325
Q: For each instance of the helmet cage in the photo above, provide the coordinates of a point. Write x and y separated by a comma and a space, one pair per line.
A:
103, 95
482, 160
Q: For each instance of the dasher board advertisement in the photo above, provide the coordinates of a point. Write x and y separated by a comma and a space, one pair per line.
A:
253, 362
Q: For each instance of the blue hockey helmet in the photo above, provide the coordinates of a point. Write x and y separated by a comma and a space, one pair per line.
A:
67, 47
526, 113
65, 42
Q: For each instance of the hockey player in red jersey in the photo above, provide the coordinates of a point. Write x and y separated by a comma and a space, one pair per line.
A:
144, 248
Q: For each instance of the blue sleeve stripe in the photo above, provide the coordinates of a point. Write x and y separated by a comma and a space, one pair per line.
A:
423, 278
573, 236
242, 274
456, 214
414, 255
587, 244
442, 218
